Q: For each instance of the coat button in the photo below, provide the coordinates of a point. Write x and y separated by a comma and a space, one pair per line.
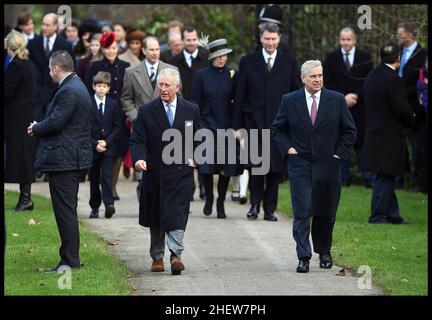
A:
115, 78
179, 168
115, 91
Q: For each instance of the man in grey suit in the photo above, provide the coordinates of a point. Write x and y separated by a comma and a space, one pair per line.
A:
139, 83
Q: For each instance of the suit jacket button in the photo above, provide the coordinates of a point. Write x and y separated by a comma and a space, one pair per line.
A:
115, 91
115, 78
179, 168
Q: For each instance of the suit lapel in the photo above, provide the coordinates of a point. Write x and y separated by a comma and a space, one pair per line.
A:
261, 64
179, 118
96, 111
158, 110
143, 80
324, 105
276, 65
302, 109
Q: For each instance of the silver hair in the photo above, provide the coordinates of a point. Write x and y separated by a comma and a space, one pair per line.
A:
348, 29
171, 72
309, 65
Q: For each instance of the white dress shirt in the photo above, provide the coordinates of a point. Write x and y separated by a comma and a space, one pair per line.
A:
173, 106
187, 56
350, 55
52, 39
149, 66
272, 56
309, 100
98, 102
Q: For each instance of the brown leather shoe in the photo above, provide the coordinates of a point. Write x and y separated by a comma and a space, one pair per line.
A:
177, 266
157, 266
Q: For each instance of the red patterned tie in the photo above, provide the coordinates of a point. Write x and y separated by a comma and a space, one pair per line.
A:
314, 109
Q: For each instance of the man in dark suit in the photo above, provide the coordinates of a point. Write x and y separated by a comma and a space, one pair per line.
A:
388, 118
345, 70
65, 150
106, 125
412, 59
189, 61
314, 130
41, 48
264, 77
164, 206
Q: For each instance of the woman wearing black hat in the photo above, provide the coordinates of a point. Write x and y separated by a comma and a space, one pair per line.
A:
116, 67
213, 90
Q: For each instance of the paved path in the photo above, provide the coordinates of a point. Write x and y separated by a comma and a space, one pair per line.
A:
222, 257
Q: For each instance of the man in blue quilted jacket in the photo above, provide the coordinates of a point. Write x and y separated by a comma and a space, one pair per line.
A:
65, 150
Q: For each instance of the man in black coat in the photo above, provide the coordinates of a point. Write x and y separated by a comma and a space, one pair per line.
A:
345, 70
264, 77
41, 48
388, 117
189, 61
412, 59
65, 150
164, 204
315, 131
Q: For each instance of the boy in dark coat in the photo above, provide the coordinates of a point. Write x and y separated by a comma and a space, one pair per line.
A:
106, 123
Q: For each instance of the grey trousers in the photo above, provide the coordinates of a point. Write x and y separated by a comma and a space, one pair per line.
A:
173, 240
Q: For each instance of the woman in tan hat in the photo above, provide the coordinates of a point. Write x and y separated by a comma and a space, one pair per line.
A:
133, 54
213, 90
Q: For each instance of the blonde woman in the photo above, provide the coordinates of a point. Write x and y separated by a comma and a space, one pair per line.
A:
19, 111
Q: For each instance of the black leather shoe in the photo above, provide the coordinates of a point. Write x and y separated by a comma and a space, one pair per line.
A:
94, 214
220, 209
109, 211
401, 221
24, 206
59, 269
379, 222
208, 206
303, 266
253, 212
270, 217
243, 200
326, 261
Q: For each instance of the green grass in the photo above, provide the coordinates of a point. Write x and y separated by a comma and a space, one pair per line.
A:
37, 247
396, 254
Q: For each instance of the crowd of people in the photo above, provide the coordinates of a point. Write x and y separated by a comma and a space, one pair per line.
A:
135, 87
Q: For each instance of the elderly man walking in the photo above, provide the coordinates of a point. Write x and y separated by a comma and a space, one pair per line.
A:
163, 203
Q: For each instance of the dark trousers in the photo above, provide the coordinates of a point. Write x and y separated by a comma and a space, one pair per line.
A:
384, 202
101, 174
315, 193
265, 188
64, 196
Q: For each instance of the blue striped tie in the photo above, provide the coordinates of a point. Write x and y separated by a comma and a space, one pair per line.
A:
170, 114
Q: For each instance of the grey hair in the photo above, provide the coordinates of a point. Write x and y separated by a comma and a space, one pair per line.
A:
348, 29
309, 65
62, 59
170, 72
